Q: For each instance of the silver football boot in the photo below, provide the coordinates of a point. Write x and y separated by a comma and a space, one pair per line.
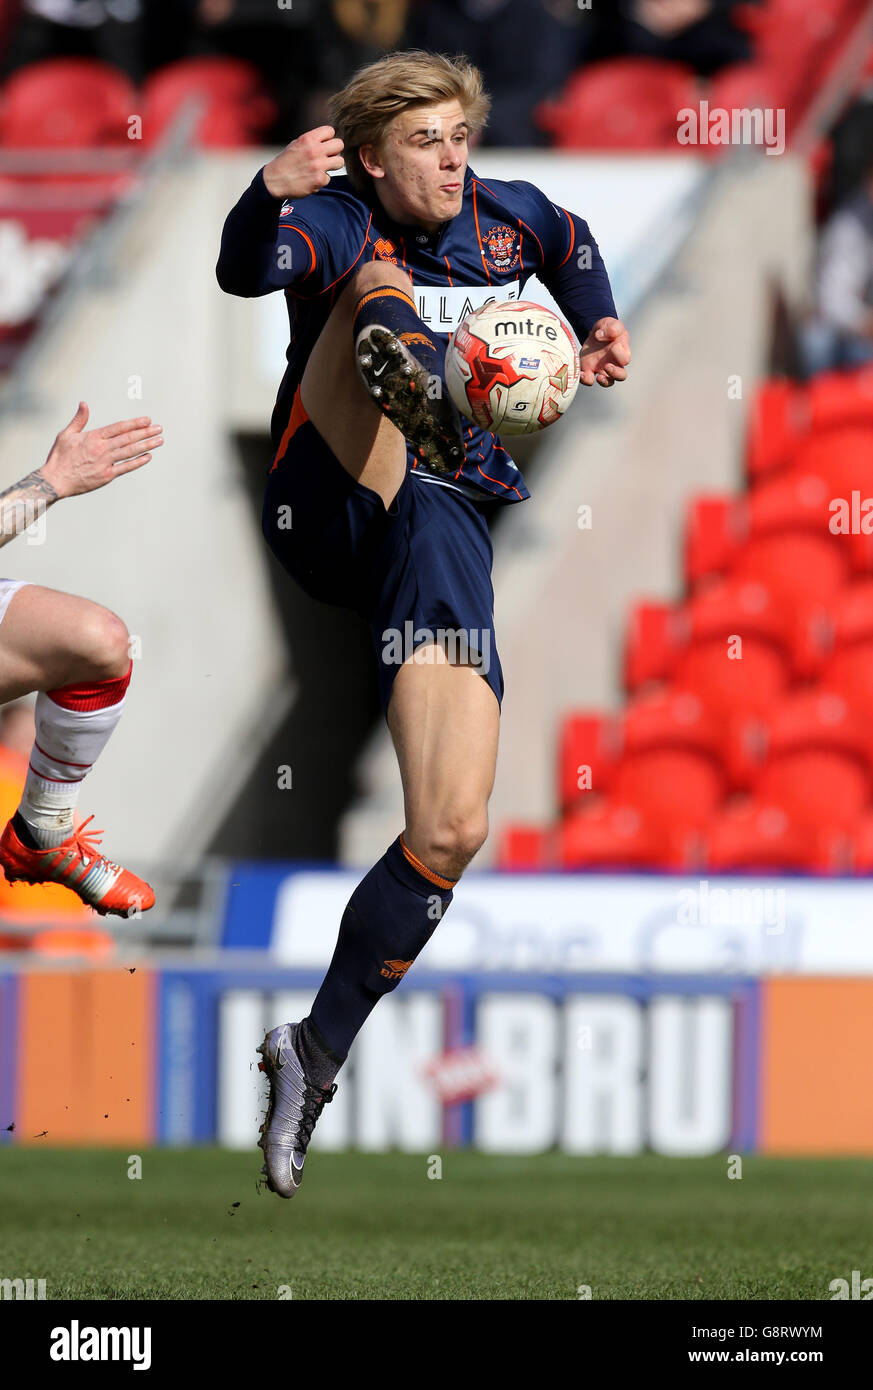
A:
292, 1112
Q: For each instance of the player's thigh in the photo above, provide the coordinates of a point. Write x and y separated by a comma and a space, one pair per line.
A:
364, 440
49, 639
445, 721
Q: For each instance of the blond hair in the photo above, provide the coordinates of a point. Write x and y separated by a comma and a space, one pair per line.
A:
361, 113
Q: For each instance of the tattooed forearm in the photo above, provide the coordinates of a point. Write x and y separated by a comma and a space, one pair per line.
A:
24, 503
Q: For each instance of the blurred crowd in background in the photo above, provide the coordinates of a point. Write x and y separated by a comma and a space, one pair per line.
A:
528, 50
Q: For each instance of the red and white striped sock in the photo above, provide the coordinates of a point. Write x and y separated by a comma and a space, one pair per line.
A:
73, 725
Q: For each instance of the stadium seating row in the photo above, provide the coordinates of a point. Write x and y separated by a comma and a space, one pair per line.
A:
746, 742
632, 103
77, 103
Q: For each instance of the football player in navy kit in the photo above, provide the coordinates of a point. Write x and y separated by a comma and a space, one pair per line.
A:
388, 486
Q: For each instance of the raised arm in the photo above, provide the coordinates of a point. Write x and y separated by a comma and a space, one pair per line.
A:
79, 461
258, 256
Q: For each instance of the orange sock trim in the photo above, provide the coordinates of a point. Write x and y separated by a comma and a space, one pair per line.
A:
424, 870
379, 293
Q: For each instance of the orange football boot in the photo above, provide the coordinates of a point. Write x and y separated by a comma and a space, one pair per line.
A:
77, 865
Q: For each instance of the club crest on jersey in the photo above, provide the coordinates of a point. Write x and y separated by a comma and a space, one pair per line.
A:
500, 242
384, 250
286, 208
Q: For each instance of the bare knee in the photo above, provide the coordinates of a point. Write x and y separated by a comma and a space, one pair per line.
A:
374, 273
100, 645
447, 843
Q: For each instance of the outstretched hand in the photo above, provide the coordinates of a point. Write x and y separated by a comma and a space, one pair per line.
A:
82, 460
605, 353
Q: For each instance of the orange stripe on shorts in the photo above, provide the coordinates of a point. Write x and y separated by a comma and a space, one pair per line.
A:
297, 418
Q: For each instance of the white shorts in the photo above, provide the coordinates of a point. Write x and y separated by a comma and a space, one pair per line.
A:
8, 588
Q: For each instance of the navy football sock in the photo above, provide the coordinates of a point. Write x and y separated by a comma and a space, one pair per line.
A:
320, 1064
390, 917
390, 307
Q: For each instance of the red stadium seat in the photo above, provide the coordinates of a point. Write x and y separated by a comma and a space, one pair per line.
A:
801, 630
804, 500
715, 530
796, 569
816, 787
849, 671
849, 618
588, 749
652, 818
730, 688
720, 529
794, 502
817, 719
862, 845
738, 607
680, 784
662, 636
836, 399
66, 103
681, 718
622, 103
237, 109
801, 37
738, 683
614, 836
843, 456
757, 837
751, 86
779, 417
678, 719
653, 641
525, 848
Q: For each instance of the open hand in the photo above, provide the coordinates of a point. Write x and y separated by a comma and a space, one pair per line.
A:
82, 460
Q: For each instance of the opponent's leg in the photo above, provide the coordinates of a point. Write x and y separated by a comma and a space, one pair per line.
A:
50, 639
75, 654
444, 721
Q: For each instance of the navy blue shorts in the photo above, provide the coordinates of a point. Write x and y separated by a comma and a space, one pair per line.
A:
419, 572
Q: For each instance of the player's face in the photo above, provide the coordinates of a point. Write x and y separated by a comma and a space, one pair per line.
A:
419, 166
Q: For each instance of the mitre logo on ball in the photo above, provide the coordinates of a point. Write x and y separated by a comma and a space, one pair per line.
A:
495, 380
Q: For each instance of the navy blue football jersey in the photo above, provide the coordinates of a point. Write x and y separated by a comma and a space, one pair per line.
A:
504, 233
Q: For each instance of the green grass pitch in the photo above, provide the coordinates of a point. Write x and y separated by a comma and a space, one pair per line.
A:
370, 1226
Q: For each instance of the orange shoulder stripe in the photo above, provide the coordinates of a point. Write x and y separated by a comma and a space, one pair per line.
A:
289, 226
572, 237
